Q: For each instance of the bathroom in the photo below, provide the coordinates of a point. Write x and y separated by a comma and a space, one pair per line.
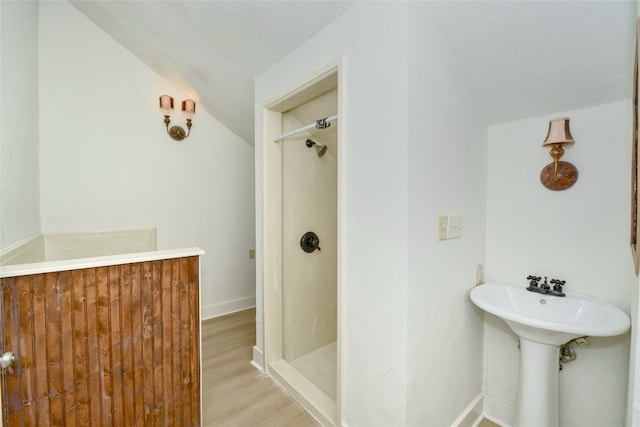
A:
414, 380
414, 348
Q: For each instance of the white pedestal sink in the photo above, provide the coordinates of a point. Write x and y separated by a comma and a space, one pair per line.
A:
543, 323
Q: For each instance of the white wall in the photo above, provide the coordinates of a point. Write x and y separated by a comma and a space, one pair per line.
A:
372, 195
106, 161
580, 235
19, 192
447, 175
633, 398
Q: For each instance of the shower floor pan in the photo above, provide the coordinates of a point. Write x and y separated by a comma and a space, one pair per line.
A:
319, 367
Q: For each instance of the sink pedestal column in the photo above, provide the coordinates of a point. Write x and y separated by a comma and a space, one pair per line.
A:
538, 387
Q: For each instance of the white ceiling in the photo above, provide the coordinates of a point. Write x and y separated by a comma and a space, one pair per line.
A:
522, 58
529, 58
213, 49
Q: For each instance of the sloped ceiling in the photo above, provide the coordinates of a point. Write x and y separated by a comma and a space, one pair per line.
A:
521, 58
530, 58
213, 49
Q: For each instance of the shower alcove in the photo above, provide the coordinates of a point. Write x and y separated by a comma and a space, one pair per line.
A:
300, 284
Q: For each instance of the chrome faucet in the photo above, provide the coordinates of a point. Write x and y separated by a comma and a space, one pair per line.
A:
545, 288
557, 287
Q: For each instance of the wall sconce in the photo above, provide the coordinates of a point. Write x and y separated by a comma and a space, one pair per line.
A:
188, 107
558, 175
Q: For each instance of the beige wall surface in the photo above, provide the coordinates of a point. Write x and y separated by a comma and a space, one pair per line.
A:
309, 196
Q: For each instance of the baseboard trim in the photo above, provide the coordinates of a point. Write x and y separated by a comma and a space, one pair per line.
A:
498, 411
472, 414
258, 358
217, 310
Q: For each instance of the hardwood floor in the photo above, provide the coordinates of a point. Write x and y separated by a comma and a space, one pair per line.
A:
234, 393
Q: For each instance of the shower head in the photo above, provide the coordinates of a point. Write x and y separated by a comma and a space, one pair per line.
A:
320, 149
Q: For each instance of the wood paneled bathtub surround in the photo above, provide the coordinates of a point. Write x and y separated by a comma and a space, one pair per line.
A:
108, 345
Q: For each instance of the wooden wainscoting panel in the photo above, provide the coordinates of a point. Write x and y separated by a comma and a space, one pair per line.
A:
80, 345
105, 346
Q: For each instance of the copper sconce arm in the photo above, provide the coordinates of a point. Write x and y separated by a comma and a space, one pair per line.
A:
558, 175
188, 107
177, 132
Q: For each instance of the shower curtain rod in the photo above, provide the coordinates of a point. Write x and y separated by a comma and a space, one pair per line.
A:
319, 124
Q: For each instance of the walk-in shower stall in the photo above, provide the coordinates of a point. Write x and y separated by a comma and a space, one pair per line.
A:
300, 243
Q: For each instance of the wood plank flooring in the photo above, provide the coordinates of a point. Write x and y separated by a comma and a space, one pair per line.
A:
234, 393
486, 423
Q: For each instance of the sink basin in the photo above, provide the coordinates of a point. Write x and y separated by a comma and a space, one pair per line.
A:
543, 323
549, 319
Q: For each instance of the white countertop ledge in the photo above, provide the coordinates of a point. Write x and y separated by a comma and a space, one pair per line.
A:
101, 261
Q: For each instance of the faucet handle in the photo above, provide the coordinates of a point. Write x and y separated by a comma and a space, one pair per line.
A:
557, 287
533, 284
534, 279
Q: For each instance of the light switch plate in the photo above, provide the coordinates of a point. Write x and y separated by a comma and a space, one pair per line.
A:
442, 227
479, 274
454, 227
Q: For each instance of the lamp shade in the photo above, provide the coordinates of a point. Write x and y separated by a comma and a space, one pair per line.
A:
189, 106
559, 132
166, 102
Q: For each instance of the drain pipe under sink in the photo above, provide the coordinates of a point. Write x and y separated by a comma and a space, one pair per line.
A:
568, 350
